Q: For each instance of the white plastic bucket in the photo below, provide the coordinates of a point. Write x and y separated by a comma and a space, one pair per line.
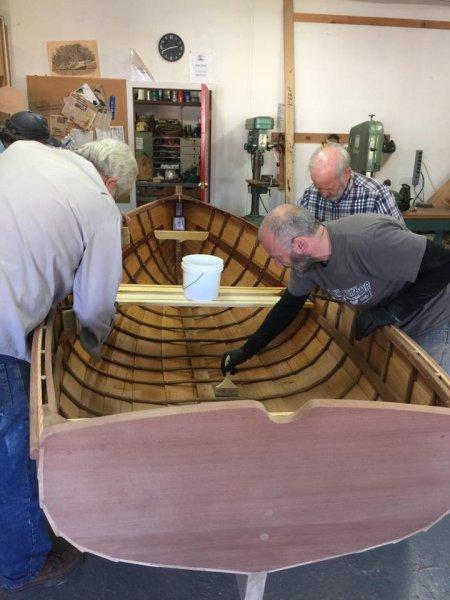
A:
201, 276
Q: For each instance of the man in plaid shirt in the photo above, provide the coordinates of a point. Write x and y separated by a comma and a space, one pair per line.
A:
338, 192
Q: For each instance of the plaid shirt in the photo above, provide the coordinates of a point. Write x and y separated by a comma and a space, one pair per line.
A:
362, 195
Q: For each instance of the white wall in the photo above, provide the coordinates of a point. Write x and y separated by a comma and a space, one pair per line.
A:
343, 72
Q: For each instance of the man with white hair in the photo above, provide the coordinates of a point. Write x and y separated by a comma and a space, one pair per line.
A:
337, 191
60, 234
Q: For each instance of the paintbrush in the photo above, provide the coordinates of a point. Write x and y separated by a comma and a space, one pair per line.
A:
226, 388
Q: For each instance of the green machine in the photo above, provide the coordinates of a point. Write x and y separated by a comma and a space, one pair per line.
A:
258, 142
365, 146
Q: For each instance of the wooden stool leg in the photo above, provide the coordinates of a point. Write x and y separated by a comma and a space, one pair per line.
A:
251, 586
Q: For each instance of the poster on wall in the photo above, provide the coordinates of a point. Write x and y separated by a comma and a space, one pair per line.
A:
200, 67
78, 58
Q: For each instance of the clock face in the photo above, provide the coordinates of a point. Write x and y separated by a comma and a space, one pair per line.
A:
171, 47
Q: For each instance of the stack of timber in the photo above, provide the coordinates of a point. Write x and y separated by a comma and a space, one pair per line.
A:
331, 447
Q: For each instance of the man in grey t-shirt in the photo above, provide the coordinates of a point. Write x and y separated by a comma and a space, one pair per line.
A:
370, 261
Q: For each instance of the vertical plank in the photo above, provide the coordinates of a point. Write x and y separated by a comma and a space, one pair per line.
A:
289, 97
205, 122
36, 414
251, 586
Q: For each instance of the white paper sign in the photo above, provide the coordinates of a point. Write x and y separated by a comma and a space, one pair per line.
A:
200, 67
115, 132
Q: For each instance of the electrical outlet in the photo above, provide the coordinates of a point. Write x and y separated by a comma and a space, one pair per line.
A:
417, 167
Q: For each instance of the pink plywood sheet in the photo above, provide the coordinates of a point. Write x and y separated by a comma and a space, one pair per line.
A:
225, 487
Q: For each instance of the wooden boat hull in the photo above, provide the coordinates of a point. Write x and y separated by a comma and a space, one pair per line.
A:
334, 446
225, 488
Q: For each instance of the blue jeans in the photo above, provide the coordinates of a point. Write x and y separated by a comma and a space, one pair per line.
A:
24, 538
437, 343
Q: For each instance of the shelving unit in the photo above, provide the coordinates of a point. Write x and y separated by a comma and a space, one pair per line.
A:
164, 103
171, 142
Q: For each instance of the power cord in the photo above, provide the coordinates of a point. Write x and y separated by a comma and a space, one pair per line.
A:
417, 193
428, 175
261, 200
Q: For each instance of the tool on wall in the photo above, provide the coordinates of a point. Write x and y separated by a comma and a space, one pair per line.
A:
419, 179
404, 198
258, 143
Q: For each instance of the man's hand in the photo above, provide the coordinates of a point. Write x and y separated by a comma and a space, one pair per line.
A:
372, 318
230, 360
126, 219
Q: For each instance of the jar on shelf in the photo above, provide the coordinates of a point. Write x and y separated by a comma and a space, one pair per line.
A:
141, 123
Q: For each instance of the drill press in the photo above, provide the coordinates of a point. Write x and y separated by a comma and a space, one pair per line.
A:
258, 143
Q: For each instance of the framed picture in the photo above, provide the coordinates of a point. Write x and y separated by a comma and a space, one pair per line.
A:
77, 58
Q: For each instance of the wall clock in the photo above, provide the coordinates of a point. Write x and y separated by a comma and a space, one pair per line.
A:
171, 47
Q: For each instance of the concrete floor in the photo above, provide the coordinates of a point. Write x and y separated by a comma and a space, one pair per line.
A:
415, 569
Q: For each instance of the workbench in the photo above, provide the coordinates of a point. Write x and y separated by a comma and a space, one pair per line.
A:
434, 220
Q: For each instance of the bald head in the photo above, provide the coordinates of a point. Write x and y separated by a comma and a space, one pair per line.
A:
286, 222
330, 170
282, 213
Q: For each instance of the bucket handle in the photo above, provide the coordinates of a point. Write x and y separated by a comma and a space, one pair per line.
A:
192, 282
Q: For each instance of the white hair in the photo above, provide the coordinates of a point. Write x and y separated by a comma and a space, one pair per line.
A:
115, 159
342, 157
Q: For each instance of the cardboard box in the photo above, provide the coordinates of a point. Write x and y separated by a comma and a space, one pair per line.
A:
145, 167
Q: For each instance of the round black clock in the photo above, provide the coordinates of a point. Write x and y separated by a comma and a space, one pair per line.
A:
171, 47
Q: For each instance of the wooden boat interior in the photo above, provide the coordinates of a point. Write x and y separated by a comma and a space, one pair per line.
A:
163, 355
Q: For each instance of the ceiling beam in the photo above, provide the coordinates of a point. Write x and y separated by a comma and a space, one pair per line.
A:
377, 21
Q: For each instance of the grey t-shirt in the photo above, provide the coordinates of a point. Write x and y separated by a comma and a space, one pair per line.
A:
372, 258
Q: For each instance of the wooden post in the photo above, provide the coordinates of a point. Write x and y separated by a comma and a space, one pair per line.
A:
251, 586
289, 97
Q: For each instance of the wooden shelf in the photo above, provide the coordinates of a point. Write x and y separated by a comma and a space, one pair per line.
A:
166, 103
181, 236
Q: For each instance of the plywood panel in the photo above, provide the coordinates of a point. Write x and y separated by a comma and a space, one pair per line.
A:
224, 487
